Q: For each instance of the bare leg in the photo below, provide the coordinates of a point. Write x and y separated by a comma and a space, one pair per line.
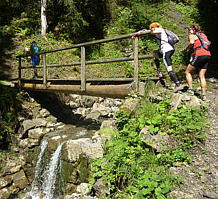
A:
188, 74
203, 80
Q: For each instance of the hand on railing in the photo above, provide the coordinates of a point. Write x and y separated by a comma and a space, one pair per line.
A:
135, 35
138, 33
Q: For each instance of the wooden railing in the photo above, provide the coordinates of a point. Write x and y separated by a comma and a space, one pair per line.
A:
83, 61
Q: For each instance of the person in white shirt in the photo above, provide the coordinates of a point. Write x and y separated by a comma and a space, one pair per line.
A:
165, 51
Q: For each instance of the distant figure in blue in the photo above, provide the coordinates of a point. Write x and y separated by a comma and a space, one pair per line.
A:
35, 59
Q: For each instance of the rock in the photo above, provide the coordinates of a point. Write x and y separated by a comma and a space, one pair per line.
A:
88, 101
20, 180
185, 99
35, 133
210, 195
14, 169
78, 196
155, 141
93, 115
30, 124
38, 122
129, 104
101, 189
11, 168
195, 101
4, 193
83, 189
176, 100
213, 80
108, 124
102, 109
81, 111
44, 113
83, 146
180, 195
29, 142
5, 182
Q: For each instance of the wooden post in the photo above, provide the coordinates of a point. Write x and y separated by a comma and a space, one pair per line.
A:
44, 71
19, 73
136, 65
83, 69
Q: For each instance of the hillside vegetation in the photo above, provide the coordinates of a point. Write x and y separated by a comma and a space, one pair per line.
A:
72, 22
130, 168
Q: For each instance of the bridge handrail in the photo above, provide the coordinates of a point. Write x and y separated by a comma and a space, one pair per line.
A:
88, 43
83, 62
104, 61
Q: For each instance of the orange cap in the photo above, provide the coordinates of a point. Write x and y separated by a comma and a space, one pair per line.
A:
155, 25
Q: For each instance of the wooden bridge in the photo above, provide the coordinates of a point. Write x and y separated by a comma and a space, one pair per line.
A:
104, 87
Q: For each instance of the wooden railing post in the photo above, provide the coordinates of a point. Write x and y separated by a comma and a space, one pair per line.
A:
19, 73
136, 64
44, 71
83, 69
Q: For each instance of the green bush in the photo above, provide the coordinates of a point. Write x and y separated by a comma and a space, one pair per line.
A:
130, 168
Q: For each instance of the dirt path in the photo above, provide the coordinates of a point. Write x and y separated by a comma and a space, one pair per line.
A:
201, 177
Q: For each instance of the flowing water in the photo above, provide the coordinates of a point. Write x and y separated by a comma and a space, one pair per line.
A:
45, 190
49, 177
35, 190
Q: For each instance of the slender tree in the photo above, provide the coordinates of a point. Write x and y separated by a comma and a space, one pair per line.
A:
43, 17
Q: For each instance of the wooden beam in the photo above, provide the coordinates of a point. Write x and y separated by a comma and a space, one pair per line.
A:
111, 91
83, 69
136, 64
44, 71
91, 43
104, 61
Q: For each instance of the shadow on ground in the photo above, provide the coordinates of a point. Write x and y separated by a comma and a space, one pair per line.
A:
61, 111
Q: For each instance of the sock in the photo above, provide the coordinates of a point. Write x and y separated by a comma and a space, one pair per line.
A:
174, 78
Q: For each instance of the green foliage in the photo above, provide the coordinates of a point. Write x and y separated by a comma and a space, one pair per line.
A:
9, 108
190, 13
122, 118
130, 168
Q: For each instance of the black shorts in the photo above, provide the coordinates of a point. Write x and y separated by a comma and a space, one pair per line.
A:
166, 57
200, 61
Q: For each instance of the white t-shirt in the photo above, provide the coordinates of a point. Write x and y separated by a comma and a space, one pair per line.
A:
162, 40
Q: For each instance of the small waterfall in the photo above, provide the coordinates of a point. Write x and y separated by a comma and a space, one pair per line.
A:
50, 174
35, 190
47, 186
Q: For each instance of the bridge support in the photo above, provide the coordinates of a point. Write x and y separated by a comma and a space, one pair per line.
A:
136, 64
111, 91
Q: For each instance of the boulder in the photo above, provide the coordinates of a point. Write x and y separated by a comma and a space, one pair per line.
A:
20, 180
101, 189
129, 104
83, 189
155, 141
35, 133
29, 124
84, 146
5, 182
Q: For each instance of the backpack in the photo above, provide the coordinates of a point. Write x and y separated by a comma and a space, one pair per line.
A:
205, 43
172, 37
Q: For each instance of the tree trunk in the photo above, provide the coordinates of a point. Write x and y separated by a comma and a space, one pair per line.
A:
43, 17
